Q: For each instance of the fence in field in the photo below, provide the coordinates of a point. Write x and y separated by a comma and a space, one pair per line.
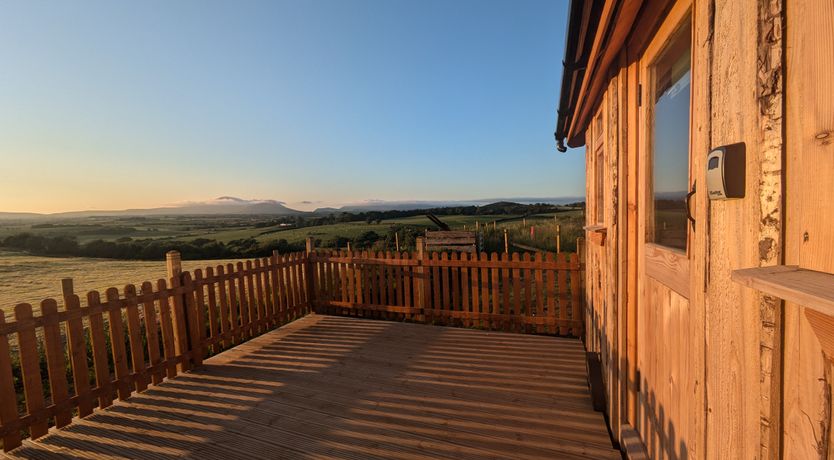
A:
58, 364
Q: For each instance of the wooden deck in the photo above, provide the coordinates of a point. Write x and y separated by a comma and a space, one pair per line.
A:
333, 387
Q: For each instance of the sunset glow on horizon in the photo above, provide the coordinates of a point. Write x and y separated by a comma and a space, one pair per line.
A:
320, 103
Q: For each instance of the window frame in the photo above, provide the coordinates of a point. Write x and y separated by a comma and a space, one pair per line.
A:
598, 153
667, 265
664, 38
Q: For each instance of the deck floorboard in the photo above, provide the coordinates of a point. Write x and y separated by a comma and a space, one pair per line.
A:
348, 388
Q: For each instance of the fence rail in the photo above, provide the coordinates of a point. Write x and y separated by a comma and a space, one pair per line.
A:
63, 363
57, 364
538, 294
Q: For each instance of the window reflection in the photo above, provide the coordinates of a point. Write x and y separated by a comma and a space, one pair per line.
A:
670, 149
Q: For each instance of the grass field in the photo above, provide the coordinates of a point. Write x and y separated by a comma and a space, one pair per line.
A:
30, 279
26, 278
225, 229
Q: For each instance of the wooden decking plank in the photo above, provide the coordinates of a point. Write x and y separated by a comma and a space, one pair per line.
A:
294, 417
328, 387
307, 397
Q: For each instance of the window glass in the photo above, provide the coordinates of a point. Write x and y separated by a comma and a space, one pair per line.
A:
670, 146
599, 171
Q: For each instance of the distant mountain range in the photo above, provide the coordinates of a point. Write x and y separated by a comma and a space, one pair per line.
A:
228, 205
224, 205
382, 205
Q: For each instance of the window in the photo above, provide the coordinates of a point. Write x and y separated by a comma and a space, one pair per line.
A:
670, 140
599, 171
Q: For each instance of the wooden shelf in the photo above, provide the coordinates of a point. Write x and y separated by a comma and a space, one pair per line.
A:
596, 233
811, 289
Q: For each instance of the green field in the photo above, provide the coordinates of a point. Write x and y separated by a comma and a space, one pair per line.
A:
28, 278
226, 229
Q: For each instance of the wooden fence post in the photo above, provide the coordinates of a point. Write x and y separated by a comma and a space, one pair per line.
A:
558, 238
421, 272
310, 274
506, 242
173, 265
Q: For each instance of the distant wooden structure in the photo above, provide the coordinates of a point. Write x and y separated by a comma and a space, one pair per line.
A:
713, 320
451, 241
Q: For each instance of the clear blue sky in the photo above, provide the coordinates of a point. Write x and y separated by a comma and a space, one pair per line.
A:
111, 105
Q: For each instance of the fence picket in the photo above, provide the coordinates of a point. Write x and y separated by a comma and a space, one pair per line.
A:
528, 290
261, 299
517, 311
485, 301
252, 300
455, 305
226, 324
151, 331
408, 288
563, 296
211, 307
99, 345
166, 324
30, 368
464, 291
56, 364
436, 303
243, 303
476, 297
505, 293
134, 332
8, 399
539, 292
194, 316
575, 286
496, 298
117, 343
77, 344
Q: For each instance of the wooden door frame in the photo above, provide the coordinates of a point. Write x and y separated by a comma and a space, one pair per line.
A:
668, 266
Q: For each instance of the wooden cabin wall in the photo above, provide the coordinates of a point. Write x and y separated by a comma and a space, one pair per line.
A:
809, 209
710, 368
728, 372
602, 289
742, 326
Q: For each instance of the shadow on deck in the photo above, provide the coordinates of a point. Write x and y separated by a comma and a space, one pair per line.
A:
333, 387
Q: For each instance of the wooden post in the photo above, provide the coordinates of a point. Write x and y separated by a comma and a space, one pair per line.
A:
494, 224
77, 349
397, 240
173, 265
309, 273
532, 232
348, 246
558, 238
506, 242
524, 221
420, 272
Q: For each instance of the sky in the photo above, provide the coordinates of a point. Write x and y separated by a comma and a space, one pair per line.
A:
115, 104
